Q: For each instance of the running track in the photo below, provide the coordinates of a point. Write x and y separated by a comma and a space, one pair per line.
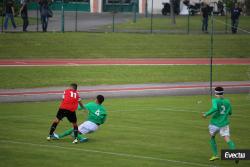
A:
133, 90
45, 94
167, 61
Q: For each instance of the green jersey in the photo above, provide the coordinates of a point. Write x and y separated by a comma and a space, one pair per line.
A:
221, 109
97, 113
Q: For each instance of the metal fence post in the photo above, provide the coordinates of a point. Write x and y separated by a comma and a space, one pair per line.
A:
37, 19
113, 17
62, 17
226, 18
146, 8
151, 25
76, 18
134, 10
172, 13
188, 22
3, 14
113, 22
211, 53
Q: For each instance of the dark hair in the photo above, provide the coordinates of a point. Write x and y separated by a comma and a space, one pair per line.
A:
100, 99
219, 90
74, 86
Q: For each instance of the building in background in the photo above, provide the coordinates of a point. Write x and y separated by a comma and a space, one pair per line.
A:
99, 6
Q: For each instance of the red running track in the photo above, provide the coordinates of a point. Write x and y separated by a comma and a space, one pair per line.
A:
163, 61
121, 89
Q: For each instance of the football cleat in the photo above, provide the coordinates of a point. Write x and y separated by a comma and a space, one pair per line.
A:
83, 140
75, 141
213, 158
54, 136
48, 138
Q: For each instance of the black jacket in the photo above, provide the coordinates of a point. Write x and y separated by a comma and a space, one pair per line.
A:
235, 13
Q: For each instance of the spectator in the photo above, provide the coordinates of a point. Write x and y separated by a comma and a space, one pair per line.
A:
205, 13
235, 15
24, 14
244, 11
44, 10
9, 13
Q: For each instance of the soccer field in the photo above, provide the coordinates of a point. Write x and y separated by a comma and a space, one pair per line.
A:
152, 131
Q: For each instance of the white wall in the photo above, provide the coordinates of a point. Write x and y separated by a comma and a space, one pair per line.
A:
99, 4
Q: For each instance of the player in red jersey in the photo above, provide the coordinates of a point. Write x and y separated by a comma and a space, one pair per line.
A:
68, 106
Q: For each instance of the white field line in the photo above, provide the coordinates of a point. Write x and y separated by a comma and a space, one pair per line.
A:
107, 153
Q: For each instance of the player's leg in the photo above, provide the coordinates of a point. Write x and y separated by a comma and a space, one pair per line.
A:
56, 121
82, 131
213, 130
82, 138
66, 133
225, 133
72, 118
86, 128
75, 127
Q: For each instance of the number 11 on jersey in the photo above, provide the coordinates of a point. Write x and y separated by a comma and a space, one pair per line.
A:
72, 94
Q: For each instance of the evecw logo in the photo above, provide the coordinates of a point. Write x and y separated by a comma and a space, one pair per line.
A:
235, 154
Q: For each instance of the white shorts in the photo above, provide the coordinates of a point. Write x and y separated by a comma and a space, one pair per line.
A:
224, 131
87, 127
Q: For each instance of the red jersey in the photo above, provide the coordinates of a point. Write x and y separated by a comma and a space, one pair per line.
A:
70, 100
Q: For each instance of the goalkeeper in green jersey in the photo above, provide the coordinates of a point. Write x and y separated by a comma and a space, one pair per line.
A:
96, 116
219, 123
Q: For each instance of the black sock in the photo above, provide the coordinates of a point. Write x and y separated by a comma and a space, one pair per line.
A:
75, 131
52, 128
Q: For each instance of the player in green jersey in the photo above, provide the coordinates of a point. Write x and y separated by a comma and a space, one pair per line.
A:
96, 116
220, 111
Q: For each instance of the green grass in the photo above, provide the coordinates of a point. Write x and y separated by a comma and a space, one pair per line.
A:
164, 24
168, 128
119, 45
25, 77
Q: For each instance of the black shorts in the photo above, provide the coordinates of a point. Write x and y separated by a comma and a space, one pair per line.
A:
71, 116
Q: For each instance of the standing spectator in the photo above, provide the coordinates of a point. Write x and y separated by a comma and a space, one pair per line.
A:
244, 11
9, 13
235, 15
24, 14
220, 6
205, 14
44, 10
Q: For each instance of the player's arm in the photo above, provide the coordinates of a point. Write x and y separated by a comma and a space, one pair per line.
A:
81, 105
104, 116
230, 110
212, 110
